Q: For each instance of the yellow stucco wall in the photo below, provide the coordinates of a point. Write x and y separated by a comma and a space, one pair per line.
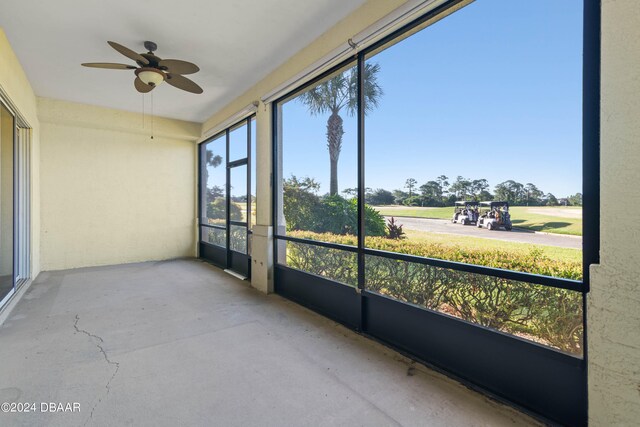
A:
110, 194
15, 84
614, 301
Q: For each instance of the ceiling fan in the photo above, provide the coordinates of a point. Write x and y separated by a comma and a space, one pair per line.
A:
152, 70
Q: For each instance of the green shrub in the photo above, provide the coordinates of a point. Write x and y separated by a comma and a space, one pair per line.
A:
534, 262
300, 203
304, 210
340, 216
413, 201
216, 210
373, 222
337, 216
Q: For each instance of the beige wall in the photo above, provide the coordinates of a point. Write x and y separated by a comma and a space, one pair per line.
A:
614, 301
110, 194
14, 83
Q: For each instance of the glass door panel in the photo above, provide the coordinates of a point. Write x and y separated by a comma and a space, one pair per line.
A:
238, 191
7, 126
214, 182
238, 142
238, 236
239, 208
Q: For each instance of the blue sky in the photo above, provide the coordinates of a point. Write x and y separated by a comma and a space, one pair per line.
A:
493, 91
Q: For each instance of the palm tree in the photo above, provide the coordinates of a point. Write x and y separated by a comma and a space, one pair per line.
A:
212, 160
331, 96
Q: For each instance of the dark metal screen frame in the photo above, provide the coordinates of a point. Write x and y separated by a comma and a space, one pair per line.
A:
591, 149
232, 259
591, 201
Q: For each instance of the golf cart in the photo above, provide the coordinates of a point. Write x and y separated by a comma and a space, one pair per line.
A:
494, 215
465, 213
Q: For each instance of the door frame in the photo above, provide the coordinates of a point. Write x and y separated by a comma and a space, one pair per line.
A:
21, 200
226, 257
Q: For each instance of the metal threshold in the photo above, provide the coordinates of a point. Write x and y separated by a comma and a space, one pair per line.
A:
234, 274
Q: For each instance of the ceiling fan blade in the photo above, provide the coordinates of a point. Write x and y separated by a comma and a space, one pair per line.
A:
141, 86
129, 53
109, 65
177, 66
176, 80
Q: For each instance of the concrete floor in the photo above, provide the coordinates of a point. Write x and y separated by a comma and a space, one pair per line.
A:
180, 343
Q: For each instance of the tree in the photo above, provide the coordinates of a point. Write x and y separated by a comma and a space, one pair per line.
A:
410, 184
443, 180
300, 203
478, 186
214, 161
399, 197
350, 192
337, 93
485, 196
575, 200
431, 190
460, 188
217, 209
534, 195
380, 197
510, 191
215, 192
551, 200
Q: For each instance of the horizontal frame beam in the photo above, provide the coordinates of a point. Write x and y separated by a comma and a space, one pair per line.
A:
537, 279
219, 227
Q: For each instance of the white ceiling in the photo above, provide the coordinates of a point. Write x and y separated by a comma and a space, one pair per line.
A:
234, 42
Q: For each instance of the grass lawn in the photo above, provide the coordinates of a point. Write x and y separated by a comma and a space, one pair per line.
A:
550, 219
478, 243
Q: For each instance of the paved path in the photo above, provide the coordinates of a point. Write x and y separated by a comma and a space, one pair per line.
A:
515, 235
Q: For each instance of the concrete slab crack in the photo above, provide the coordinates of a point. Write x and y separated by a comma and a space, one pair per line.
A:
98, 341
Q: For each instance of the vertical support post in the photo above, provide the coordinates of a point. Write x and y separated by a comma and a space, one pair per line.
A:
361, 186
228, 203
248, 192
279, 221
591, 62
591, 136
200, 155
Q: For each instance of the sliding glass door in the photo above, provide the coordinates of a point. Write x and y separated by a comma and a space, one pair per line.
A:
227, 206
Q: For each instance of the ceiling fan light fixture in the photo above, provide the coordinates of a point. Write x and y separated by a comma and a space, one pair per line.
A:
150, 76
